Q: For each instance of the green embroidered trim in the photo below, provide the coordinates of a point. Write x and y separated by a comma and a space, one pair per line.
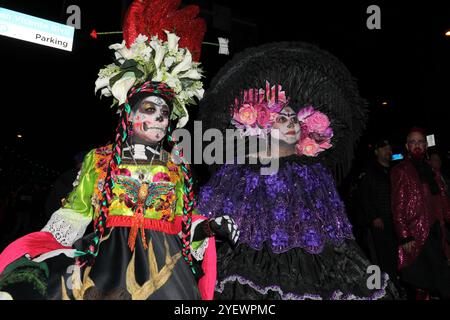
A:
26, 271
25, 262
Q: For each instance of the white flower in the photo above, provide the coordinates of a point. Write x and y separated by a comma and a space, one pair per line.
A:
159, 55
141, 49
180, 55
172, 41
119, 57
158, 77
117, 46
100, 83
183, 65
106, 92
110, 70
141, 39
122, 86
192, 74
146, 52
184, 119
169, 61
121, 50
199, 93
183, 96
174, 83
155, 43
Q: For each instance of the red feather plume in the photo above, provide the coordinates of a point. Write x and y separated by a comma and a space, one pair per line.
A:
152, 17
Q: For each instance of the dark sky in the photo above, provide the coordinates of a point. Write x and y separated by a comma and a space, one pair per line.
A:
48, 94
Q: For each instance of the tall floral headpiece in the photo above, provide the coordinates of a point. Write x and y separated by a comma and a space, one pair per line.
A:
149, 52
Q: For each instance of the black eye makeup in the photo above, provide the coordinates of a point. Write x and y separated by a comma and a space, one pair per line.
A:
165, 111
282, 119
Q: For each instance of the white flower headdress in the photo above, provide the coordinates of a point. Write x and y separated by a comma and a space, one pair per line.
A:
155, 60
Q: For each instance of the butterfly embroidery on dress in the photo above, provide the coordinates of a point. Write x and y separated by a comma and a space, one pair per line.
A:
141, 195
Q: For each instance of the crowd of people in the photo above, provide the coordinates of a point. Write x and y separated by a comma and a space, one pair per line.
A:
402, 214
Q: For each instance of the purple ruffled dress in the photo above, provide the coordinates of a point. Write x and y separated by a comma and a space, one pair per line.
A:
296, 241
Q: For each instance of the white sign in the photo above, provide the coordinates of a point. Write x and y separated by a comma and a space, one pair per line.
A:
25, 27
223, 46
430, 140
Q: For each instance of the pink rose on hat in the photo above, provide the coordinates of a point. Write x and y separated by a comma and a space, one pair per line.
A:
308, 147
246, 115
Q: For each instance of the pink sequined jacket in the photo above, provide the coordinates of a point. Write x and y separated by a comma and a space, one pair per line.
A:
444, 208
414, 209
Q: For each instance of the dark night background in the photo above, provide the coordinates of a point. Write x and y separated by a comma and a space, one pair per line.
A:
47, 95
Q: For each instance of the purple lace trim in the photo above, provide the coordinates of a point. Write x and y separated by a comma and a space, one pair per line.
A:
298, 206
337, 295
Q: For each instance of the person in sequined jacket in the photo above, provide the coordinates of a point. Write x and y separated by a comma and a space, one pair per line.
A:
419, 219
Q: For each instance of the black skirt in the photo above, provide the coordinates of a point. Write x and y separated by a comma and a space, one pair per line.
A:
158, 273
338, 272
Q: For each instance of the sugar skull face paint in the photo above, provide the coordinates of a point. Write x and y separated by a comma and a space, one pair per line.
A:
288, 126
150, 119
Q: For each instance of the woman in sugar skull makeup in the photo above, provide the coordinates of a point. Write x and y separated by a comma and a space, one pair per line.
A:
295, 241
148, 243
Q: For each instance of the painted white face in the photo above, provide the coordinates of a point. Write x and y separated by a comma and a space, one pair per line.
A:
150, 120
288, 126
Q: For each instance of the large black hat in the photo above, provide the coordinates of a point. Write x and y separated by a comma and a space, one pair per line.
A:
309, 76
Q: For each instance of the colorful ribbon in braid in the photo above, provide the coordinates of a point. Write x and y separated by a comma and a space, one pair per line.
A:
91, 252
188, 203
